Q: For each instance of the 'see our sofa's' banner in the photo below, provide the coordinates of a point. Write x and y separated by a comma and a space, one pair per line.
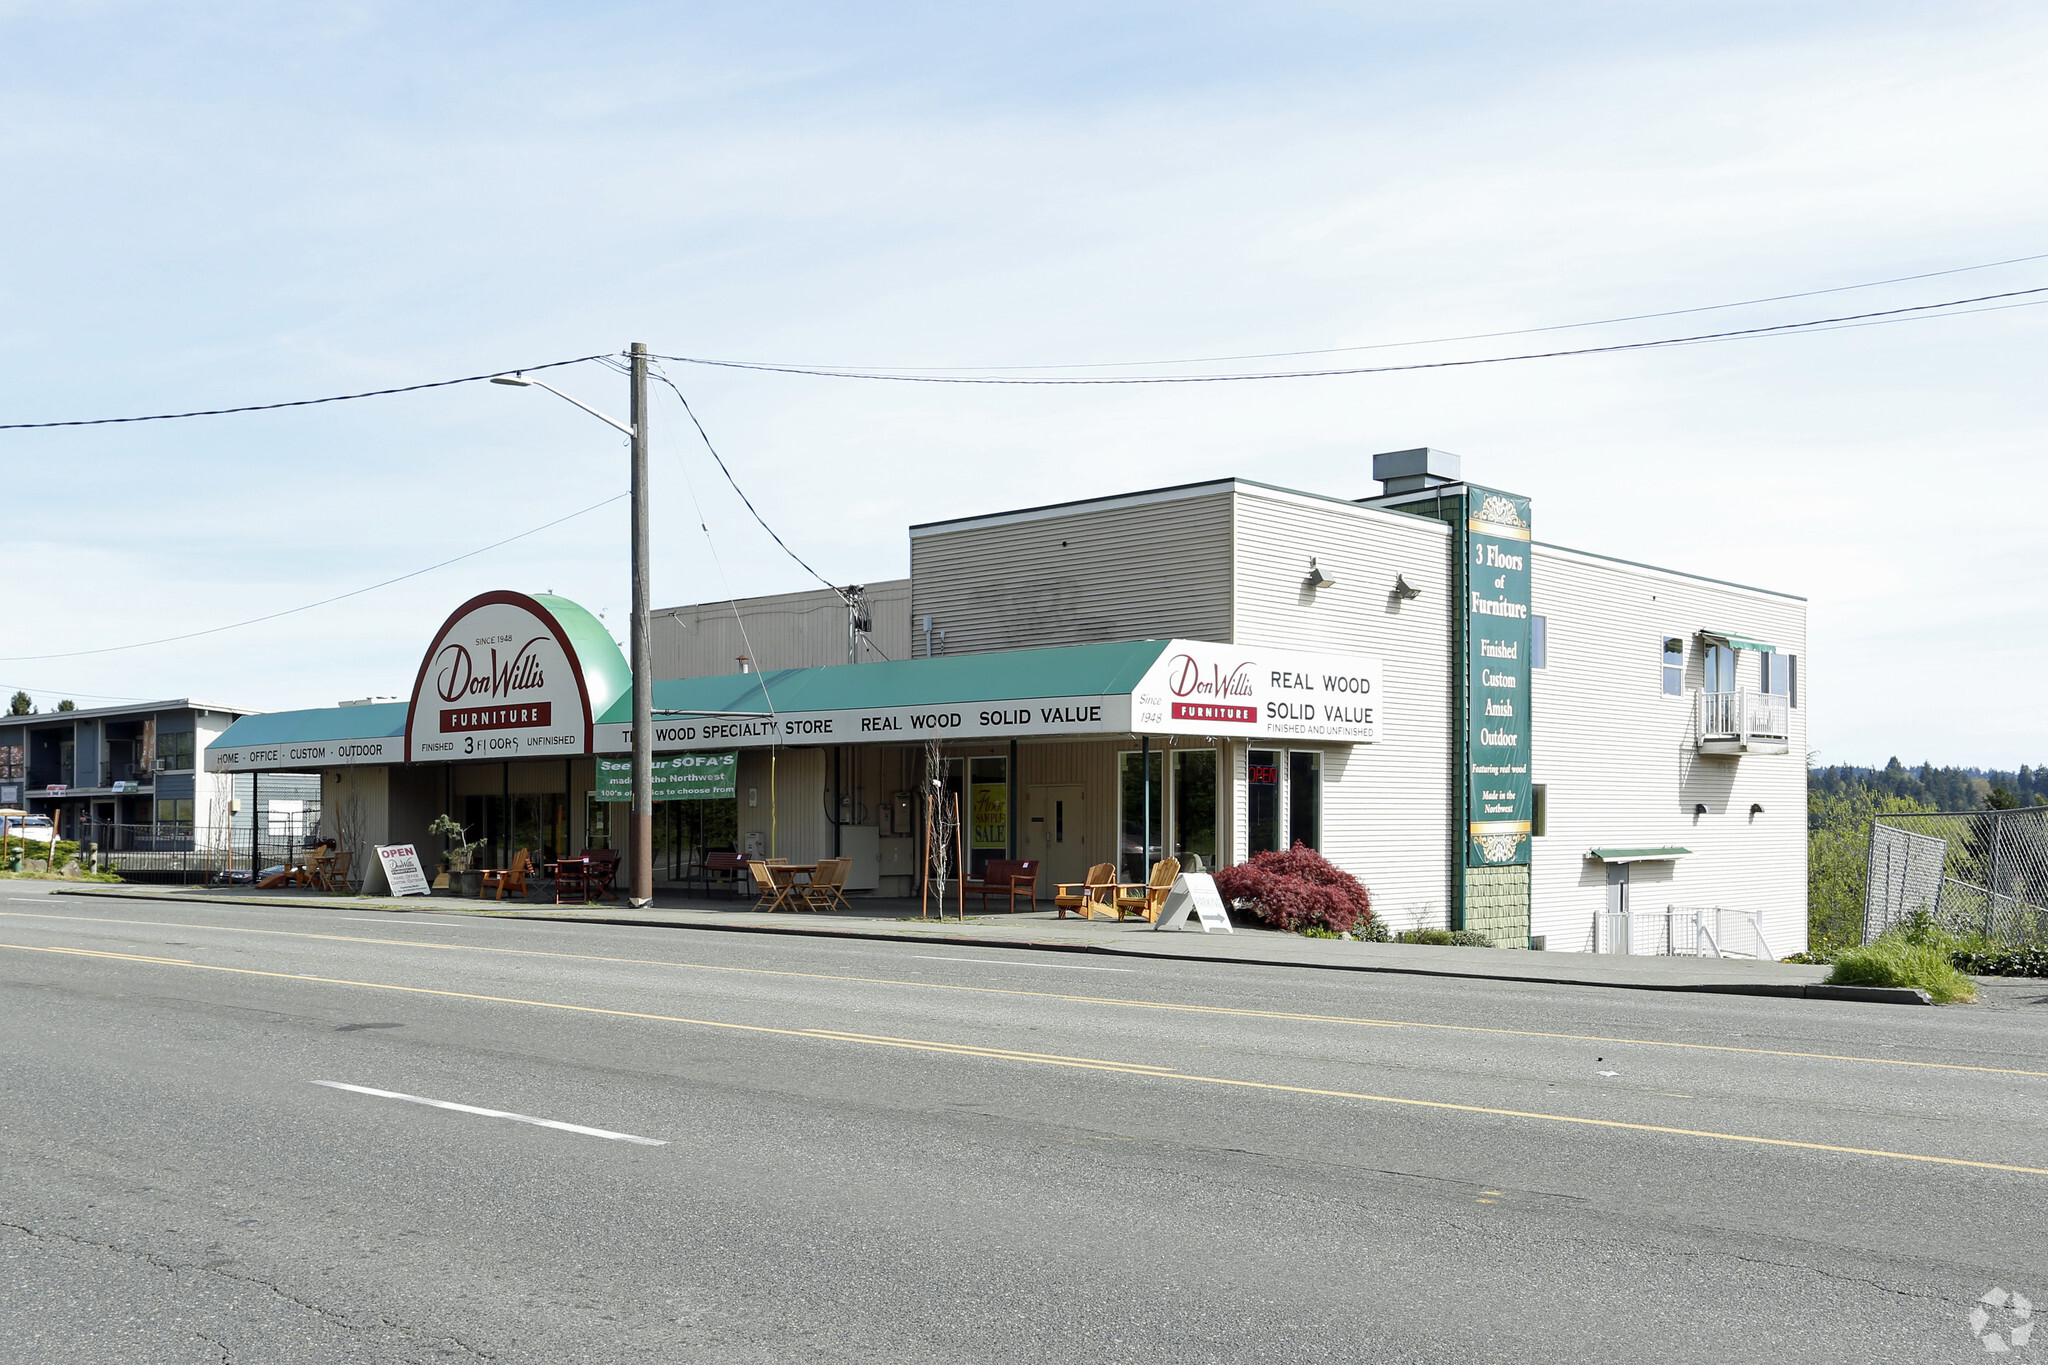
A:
1499, 800
677, 777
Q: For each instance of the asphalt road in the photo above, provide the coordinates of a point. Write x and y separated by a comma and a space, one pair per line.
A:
905, 1152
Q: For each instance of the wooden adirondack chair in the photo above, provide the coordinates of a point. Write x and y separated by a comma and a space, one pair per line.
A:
1150, 898
1088, 896
333, 873
513, 878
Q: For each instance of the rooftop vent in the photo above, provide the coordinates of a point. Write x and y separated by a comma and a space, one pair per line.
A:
1410, 471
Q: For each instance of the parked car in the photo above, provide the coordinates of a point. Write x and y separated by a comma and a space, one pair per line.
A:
35, 828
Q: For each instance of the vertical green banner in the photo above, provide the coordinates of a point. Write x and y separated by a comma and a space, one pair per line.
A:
1498, 799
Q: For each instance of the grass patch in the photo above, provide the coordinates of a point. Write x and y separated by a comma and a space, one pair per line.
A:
1897, 961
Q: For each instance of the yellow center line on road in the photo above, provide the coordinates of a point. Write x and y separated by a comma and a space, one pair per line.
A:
1166, 1005
1140, 1070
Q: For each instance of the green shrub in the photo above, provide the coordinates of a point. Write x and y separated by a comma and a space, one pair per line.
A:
1445, 938
1896, 961
2002, 962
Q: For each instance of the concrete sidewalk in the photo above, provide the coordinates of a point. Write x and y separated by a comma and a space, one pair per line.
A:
898, 921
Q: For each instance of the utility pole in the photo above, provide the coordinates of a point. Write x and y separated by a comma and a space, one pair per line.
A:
641, 891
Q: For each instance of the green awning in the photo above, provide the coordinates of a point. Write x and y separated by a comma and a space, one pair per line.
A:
952, 680
325, 737
1638, 855
1733, 641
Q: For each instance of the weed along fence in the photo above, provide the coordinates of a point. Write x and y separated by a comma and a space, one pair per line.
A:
1982, 872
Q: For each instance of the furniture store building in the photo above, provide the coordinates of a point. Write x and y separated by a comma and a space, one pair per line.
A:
1489, 731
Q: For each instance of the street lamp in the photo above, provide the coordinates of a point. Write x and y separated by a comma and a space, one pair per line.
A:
641, 882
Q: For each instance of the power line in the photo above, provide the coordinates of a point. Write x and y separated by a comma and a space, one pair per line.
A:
899, 377
292, 403
844, 595
1437, 341
338, 597
735, 482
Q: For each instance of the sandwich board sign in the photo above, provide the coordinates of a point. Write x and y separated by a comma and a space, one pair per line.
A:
1195, 891
402, 869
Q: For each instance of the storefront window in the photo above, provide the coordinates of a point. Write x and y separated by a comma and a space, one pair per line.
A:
597, 822
1262, 799
684, 831
1194, 808
983, 786
1140, 803
1305, 798
987, 809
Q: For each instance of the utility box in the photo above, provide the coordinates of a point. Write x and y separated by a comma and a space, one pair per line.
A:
898, 858
862, 843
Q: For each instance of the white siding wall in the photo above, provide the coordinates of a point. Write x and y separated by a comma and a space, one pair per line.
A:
1147, 567
787, 630
1387, 809
1617, 760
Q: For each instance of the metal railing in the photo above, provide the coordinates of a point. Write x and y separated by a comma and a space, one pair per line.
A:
1971, 872
1683, 931
1743, 715
179, 853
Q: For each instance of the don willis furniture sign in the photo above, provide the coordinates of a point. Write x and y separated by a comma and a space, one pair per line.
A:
1199, 688
511, 676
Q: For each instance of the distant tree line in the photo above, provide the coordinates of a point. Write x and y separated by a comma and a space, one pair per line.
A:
1930, 788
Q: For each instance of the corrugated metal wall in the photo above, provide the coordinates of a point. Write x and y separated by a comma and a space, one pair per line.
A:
1140, 568
1616, 758
787, 630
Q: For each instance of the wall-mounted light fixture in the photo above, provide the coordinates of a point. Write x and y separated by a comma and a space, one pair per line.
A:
1317, 578
1699, 809
1756, 808
1403, 591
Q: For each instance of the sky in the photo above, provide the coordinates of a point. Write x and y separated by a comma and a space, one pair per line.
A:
219, 204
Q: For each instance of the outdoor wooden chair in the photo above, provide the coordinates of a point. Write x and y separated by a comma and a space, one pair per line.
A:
310, 872
1007, 877
1148, 898
572, 881
826, 889
332, 873
1094, 893
604, 871
772, 893
513, 878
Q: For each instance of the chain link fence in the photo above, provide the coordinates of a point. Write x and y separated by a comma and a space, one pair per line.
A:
1982, 872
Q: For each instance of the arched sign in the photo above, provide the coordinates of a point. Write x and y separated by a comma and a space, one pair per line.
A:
513, 676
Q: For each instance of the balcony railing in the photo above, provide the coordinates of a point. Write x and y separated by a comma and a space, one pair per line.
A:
1742, 722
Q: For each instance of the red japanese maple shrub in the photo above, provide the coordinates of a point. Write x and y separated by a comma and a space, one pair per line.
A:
1296, 890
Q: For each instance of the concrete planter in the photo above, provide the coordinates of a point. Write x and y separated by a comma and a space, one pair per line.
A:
469, 885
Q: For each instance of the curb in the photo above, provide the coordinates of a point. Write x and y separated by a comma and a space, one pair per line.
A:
1874, 995
1788, 990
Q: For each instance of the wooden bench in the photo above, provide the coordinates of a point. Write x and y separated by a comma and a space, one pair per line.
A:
720, 863
1006, 877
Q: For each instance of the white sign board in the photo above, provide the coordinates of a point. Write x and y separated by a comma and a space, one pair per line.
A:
499, 681
1195, 891
1193, 688
1036, 716
402, 870
1199, 688
340, 753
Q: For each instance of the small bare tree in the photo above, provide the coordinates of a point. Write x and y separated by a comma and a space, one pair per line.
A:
941, 824
351, 816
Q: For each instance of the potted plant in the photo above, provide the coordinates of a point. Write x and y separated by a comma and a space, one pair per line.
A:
459, 847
